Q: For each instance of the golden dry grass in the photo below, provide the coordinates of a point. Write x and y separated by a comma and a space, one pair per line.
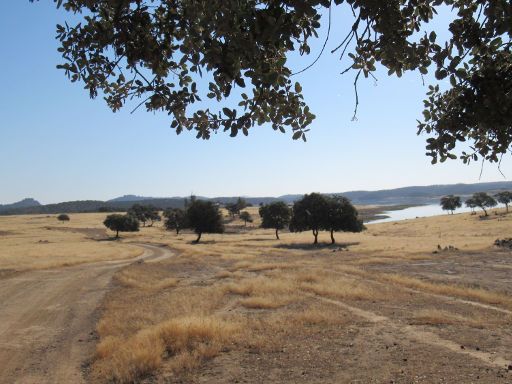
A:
41, 241
187, 342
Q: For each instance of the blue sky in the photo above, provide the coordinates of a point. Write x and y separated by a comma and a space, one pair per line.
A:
56, 144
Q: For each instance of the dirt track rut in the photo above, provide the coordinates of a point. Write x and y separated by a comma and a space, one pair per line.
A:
47, 319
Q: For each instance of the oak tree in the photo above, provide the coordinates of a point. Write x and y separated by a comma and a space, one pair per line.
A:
483, 200
504, 197
450, 203
176, 219
309, 213
341, 216
63, 217
204, 217
121, 223
246, 217
275, 215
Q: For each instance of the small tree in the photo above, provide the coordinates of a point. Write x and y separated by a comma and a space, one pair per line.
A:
232, 209
504, 197
341, 216
246, 217
450, 203
139, 212
121, 223
63, 217
204, 217
144, 213
470, 203
176, 219
151, 214
309, 213
483, 200
275, 215
235, 208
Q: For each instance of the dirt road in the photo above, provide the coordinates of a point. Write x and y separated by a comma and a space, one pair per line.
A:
47, 319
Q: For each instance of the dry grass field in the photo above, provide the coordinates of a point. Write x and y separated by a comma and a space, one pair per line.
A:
40, 241
389, 305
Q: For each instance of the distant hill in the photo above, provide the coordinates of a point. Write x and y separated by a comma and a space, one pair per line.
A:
131, 198
416, 195
92, 206
423, 194
28, 202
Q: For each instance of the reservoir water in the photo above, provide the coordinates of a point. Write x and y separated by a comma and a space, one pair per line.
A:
415, 212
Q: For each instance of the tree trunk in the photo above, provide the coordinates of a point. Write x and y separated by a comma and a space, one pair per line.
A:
332, 237
177, 231
277, 233
315, 233
198, 237
485, 212
506, 205
117, 234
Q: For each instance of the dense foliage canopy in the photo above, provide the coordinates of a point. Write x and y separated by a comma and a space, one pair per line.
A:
504, 197
176, 219
483, 200
63, 217
204, 217
275, 215
450, 203
317, 212
121, 223
341, 216
156, 51
246, 217
144, 213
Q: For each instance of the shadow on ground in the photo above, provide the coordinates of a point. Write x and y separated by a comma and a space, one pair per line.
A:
310, 246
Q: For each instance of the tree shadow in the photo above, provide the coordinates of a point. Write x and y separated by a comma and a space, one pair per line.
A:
113, 238
310, 246
193, 242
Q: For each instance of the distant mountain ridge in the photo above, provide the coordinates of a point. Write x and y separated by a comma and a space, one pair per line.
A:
130, 198
414, 195
25, 203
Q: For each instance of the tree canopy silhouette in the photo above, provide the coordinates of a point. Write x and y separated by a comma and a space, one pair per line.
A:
204, 217
450, 203
156, 51
275, 215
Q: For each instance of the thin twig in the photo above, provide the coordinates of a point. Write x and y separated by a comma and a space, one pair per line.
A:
323, 47
354, 118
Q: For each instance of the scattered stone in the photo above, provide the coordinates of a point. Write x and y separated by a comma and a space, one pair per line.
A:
509, 367
462, 347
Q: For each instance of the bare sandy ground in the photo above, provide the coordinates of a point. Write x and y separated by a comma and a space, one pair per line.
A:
47, 319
